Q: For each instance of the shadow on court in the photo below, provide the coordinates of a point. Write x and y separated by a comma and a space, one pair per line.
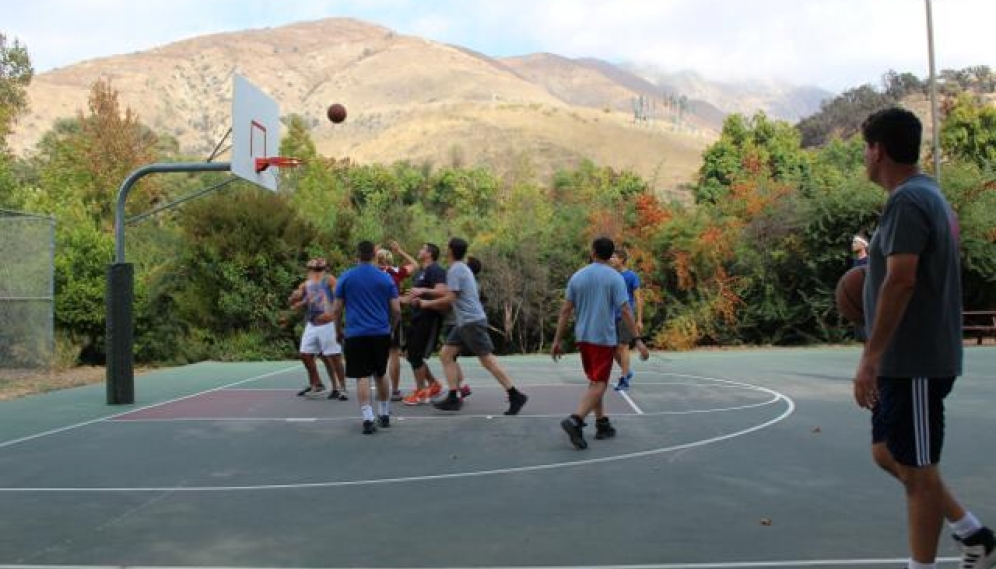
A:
755, 458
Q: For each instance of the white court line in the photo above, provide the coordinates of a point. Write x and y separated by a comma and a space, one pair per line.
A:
489, 384
449, 417
725, 565
129, 411
790, 408
632, 403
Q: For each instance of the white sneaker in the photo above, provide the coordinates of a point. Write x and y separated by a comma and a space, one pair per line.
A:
978, 551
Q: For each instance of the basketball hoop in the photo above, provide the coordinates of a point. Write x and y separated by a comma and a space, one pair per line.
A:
277, 162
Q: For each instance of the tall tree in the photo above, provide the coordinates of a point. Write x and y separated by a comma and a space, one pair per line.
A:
15, 75
969, 130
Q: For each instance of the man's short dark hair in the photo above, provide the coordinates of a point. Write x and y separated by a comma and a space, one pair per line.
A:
898, 131
365, 250
433, 250
603, 247
621, 254
474, 264
458, 247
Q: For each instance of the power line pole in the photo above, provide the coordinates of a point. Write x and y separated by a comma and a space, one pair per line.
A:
933, 94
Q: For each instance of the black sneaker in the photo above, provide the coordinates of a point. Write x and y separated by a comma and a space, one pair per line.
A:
978, 551
448, 404
342, 396
384, 421
369, 428
573, 427
304, 391
604, 429
334, 394
516, 399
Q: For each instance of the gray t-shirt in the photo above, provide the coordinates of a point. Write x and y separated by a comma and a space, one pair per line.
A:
928, 341
468, 307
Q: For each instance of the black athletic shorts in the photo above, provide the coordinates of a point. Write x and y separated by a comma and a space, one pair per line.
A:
909, 418
366, 356
422, 336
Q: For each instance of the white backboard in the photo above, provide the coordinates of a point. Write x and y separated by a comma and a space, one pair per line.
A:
255, 132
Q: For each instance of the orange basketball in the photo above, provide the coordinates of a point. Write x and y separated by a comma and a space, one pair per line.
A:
337, 113
850, 299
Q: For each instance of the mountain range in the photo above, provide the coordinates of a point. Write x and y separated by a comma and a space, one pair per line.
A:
421, 101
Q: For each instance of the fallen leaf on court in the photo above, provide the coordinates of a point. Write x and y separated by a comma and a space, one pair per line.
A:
765, 521
817, 430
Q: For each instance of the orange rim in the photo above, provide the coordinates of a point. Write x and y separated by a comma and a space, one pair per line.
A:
277, 162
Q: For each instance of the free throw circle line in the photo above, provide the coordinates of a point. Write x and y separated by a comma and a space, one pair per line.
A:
789, 409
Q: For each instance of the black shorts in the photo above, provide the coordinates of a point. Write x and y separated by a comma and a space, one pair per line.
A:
422, 336
623, 334
472, 338
909, 418
366, 356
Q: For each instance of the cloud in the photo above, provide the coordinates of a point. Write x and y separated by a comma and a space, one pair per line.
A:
832, 43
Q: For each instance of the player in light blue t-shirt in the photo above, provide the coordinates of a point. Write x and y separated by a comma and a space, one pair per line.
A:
594, 295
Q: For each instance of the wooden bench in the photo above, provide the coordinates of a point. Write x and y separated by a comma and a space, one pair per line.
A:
979, 324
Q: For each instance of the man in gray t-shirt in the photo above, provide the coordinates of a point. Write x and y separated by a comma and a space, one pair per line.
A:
918, 222
470, 332
912, 302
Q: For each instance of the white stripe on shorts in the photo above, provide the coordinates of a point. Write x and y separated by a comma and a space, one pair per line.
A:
921, 420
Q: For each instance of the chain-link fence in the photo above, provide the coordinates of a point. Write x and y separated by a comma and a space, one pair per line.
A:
27, 256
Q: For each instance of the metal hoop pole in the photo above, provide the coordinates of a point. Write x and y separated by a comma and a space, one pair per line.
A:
120, 337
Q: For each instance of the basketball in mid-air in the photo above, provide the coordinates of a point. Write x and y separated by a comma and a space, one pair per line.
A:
849, 294
336, 113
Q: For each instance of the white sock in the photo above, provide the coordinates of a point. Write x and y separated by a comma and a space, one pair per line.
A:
385, 407
965, 526
914, 565
368, 412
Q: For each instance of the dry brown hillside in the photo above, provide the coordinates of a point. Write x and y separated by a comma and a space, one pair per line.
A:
408, 99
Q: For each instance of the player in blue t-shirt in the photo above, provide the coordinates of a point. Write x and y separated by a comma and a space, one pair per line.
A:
626, 339
368, 299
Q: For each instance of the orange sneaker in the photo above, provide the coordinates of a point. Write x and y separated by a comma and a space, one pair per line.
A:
434, 389
417, 397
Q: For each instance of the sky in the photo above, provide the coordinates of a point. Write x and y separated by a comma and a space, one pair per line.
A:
833, 44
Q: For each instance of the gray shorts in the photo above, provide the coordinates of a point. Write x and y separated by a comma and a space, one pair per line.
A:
623, 335
472, 337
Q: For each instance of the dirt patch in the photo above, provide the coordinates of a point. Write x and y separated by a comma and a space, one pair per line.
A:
16, 383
